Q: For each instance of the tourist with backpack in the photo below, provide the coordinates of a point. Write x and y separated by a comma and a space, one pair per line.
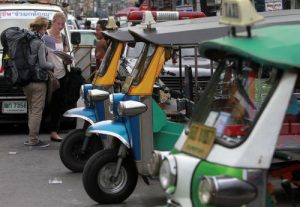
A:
57, 106
36, 90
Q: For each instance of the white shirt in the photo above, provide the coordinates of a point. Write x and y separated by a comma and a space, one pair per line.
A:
59, 69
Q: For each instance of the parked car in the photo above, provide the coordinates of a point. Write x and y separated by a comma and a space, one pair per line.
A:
88, 36
93, 21
85, 51
12, 99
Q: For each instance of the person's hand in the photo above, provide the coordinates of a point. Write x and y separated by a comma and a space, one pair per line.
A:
67, 61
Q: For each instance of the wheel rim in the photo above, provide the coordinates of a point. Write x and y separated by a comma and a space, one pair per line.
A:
107, 183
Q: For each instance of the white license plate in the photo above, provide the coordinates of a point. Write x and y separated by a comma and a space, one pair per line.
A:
14, 107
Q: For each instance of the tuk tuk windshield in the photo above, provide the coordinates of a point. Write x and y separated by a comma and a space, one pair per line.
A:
140, 67
107, 57
233, 100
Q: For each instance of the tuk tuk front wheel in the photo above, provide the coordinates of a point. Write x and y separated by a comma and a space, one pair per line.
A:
99, 182
71, 153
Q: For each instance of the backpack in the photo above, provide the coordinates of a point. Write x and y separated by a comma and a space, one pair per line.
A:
16, 51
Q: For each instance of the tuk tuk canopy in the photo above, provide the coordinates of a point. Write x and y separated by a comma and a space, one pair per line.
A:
188, 32
121, 35
277, 46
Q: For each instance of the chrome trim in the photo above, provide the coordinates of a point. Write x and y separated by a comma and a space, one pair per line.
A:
258, 178
172, 203
12, 97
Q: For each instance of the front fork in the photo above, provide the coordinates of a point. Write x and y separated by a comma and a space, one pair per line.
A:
85, 144
122, 153
86, 139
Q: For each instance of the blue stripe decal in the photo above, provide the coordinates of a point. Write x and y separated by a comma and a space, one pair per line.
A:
117, 98
100, 111
134, 122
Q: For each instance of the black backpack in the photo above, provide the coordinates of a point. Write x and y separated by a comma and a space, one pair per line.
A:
16, 51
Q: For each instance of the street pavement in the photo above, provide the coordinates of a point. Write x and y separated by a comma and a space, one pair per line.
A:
31, 177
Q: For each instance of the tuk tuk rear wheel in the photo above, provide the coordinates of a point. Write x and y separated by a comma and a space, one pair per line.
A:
70, 149
98, 178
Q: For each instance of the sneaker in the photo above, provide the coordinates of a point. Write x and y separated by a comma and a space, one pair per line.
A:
37, 144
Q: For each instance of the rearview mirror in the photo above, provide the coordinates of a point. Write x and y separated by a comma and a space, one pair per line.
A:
75, 38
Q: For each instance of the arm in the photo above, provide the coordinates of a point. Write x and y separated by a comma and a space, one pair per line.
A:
100, 50
42, 58
65, 43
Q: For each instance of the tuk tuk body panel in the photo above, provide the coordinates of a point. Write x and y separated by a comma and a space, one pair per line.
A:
262, 47
145, 137
186, 192
112, 128
143, 88
134, 130
89, 112
86, 113
166, 138
160, 117
256, 177
165, 133
183, 192
100, 110
109, 77
205, 168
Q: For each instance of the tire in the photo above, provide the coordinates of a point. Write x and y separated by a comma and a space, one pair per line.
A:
68, 123
97, 176
70, 149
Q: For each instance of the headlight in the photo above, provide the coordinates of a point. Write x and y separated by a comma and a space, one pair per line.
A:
154, 164
168, 173
98, 95
114, 100
225, 191
84, 93
131, 108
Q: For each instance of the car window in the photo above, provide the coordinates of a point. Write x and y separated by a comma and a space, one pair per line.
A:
88, 38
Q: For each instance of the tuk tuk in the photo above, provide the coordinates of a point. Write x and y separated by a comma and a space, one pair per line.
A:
76, 147
139, 125
224, 154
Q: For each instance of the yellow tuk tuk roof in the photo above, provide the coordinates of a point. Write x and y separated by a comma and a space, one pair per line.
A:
277, 46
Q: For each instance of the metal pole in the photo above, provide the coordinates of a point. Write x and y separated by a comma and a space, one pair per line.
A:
211, 68
180, 71
196, 73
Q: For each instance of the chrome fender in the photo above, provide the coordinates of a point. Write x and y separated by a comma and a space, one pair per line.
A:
87, 114
112, 128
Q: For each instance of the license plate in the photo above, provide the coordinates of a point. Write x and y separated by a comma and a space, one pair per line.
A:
14, 107
200, 140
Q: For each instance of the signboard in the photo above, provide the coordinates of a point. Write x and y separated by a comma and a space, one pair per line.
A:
25, 14
200, 140
273, 5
